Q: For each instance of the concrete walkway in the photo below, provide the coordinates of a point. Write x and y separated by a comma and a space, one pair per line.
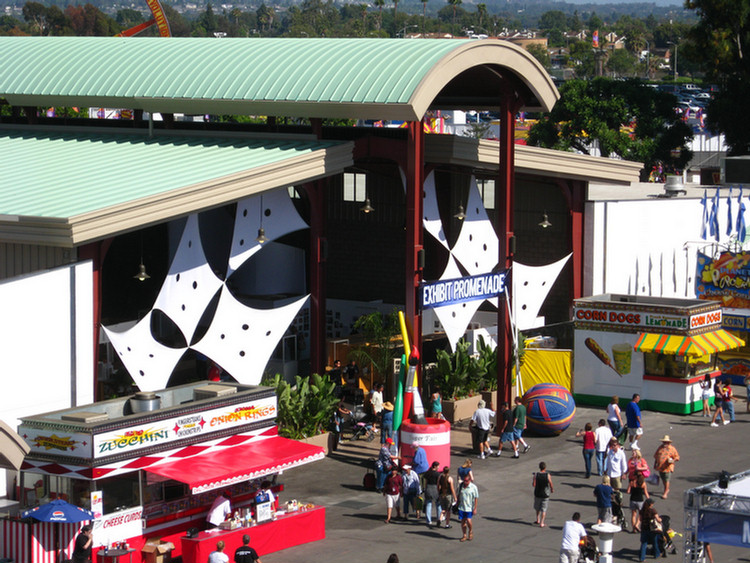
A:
503, 527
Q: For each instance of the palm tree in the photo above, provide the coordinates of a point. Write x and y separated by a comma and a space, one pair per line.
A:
455, 4
481, 14
380, 4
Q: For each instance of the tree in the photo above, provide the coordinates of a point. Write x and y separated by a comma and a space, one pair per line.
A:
539, 53
127, 18
720, 41
621, 63
455, 4
378, 331
380, 4
594, 114
583, 59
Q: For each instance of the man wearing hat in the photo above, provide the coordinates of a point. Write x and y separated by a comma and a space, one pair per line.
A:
664, 459
386, 422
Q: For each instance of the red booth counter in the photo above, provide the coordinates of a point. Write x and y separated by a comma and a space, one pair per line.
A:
287, 530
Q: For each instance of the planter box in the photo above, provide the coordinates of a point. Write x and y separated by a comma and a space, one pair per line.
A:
453, 411
327, 441
490, 397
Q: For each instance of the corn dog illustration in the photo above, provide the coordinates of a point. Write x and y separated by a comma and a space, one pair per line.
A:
597, 350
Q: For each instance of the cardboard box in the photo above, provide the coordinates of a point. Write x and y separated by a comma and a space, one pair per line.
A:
157, 551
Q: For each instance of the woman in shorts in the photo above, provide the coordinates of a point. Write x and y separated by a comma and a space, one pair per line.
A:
638, 491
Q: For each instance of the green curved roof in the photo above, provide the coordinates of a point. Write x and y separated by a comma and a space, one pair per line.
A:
358, 78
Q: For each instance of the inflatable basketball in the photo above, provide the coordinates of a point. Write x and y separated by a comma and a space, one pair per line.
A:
550, 408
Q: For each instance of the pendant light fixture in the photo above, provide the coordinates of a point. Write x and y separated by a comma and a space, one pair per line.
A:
545, 221
366, 208
261, 238
460, 215
141, 275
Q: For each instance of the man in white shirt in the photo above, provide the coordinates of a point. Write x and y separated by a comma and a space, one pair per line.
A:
481, 420
602, 436
218, 556
617, 464
573, 533
220, 509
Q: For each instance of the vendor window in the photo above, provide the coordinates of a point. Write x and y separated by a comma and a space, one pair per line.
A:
669, 365
158, 491
36, 489
119, 493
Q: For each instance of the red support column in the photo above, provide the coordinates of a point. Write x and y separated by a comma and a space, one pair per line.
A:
576, 235
316, 192
96, 251
318, 255
414, 233
504, 205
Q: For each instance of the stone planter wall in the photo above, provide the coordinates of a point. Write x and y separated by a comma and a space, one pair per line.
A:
327, 441
490, 397
462, 409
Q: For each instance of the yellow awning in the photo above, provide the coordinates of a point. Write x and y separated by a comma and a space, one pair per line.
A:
700, 345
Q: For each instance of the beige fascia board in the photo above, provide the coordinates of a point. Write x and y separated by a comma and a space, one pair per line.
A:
207, 195
35, 230
485, 154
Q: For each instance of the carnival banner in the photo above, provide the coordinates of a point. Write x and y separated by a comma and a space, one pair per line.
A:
725, 278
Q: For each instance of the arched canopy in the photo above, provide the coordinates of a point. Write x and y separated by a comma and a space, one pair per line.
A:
397, 79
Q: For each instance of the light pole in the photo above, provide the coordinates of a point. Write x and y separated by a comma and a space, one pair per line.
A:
402, 33
675, 59
648, 60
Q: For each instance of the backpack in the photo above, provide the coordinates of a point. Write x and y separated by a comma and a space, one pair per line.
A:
368, 481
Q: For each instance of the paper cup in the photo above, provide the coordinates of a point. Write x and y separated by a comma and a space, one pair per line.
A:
622, 354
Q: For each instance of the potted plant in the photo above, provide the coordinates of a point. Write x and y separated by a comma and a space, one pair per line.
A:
458, 376
306, 408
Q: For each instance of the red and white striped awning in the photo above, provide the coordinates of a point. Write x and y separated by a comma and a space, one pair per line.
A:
241, 463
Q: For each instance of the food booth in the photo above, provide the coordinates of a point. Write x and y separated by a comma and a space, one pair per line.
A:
660, 348
150, 466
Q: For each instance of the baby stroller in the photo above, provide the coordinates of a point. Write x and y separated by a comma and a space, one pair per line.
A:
618, 516
358, 425
589, 552
665, 538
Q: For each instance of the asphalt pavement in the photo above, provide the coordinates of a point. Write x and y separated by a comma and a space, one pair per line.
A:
503, 527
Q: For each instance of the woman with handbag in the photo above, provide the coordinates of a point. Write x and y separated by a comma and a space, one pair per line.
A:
637, 465
650, 529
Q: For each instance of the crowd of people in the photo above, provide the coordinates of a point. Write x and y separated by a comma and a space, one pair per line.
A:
611, 450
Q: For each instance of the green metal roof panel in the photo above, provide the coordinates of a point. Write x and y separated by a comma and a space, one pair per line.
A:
366, 71
67, 175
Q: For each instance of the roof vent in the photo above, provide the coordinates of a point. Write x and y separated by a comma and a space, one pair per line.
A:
674, 186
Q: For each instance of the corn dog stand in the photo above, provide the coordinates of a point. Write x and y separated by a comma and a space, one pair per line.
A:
151, 465
660, 348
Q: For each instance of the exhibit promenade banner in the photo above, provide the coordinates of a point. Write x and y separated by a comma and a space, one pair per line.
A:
460, 290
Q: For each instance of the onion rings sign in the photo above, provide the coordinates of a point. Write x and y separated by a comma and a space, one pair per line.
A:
149, 434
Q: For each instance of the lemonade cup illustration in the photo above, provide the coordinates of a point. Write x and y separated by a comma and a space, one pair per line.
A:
622, 355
